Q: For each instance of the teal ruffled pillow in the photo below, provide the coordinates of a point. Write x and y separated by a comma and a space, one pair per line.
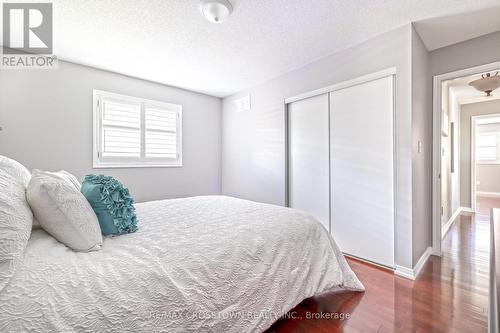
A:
112, 204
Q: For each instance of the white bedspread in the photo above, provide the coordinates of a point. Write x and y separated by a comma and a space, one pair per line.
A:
201, 264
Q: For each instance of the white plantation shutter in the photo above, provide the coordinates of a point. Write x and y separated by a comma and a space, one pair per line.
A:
134, 132
161, 133
121, 126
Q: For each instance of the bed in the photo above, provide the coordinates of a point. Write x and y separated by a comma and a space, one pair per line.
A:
200, 264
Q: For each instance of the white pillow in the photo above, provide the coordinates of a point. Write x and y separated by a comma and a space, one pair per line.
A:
61, 175
16, 170
63, 211
15, 216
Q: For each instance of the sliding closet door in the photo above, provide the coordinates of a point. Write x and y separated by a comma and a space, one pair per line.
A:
363, 170
308, 157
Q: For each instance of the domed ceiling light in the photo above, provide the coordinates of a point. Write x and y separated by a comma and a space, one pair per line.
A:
487, 83
216, 10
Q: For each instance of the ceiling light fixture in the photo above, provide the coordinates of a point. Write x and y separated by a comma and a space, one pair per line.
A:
487, 83
216, 10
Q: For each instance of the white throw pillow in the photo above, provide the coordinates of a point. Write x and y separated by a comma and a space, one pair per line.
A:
16, 170
15, 216
63, 211
61, 175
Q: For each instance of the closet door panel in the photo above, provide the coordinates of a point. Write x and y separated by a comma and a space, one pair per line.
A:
362, 184
308, 157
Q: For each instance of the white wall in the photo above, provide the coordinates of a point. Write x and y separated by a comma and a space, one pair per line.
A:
445, 155
253, 142
450, 185
46, 117
454, 178
421, 84
467, 111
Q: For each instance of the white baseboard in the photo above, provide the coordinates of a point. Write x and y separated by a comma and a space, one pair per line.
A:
421, 262
436, 252
404, 272
413, 273
447, 226
488, 194
466, 210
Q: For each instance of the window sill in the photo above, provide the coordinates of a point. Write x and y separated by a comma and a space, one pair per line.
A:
125, 166
488, 163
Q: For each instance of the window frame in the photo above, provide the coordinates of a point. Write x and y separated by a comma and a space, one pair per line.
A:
124, 162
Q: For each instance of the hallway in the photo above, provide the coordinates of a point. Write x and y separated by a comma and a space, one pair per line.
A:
450, 295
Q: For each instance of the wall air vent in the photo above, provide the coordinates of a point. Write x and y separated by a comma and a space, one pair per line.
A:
243, 103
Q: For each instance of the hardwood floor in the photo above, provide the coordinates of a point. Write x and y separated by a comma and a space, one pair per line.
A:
450, 295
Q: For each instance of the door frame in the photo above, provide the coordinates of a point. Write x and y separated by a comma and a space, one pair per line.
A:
436, 143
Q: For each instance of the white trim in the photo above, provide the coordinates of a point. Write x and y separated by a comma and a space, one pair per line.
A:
445, 228
287, 155
395, 163
343, 85
404, 272
488, 162
135, 99
467, 210
109, 165
422, 261
368, 261
485, 194
436, 166
412, 274
436, 161
473, 163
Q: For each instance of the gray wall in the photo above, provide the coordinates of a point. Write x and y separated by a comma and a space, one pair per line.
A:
488, 176
421, 84
46, 117
478, 51
467, 111
253, 142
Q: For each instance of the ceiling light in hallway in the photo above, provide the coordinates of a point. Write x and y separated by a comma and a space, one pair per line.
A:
487, 83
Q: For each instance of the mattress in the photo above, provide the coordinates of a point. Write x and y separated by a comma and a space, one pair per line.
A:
200, 264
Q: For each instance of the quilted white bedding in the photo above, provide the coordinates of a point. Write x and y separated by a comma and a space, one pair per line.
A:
201, 264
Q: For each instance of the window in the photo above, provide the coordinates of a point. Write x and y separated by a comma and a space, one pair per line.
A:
135, 132
486, 147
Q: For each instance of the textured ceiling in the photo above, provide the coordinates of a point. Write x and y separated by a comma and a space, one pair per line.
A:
443, 31
169, 41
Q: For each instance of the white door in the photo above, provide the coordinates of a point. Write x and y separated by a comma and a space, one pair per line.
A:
362, 184
308, 157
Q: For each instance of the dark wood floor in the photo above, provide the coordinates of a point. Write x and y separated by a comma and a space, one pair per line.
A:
450, 295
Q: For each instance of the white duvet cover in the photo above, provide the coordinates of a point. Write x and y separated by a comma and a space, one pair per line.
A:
201, 264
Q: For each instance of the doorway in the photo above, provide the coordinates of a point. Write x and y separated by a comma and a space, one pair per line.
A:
485, 157
454, 167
